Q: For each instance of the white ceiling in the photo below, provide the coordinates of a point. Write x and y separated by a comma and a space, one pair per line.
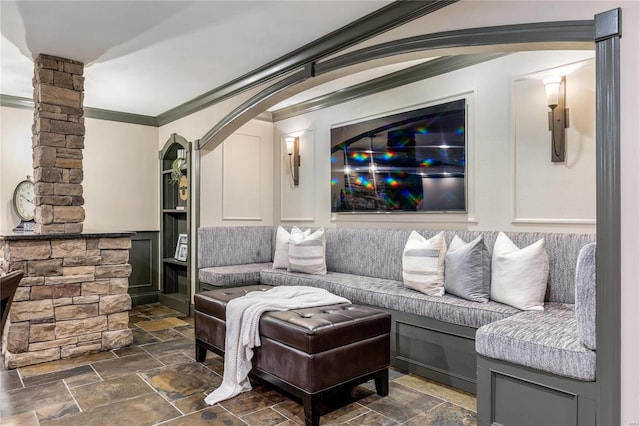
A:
146, 57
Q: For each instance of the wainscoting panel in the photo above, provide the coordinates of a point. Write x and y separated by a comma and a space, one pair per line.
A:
241, 178
298, 202
546, 192
144, 286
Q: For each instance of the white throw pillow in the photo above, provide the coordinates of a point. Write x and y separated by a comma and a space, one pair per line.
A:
281, 255
307, 252
423, 263
519, 276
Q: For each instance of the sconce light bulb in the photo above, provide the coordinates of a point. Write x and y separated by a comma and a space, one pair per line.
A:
552, 87
289, 141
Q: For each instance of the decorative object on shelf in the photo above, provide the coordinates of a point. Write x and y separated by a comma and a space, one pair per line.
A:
558, 116
24, 204
178, 165
181, 248
293, 149
182, 254
183, 192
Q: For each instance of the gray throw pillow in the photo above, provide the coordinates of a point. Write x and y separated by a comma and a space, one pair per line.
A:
467, 270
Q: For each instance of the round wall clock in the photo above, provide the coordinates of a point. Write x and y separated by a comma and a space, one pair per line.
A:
24, 203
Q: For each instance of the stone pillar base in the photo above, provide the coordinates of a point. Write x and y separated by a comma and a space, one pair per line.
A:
72, 300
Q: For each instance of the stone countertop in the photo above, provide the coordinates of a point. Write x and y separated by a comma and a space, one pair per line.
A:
14, 236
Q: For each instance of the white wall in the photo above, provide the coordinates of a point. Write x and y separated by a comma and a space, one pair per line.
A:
630, 216
512, 184
120, 172
15, 159
546, 192
298, 204
237, 178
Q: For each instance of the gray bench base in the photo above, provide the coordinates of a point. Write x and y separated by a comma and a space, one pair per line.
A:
509, 394
436, 350
433, 349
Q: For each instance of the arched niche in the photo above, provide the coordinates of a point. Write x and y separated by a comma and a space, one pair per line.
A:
602, 34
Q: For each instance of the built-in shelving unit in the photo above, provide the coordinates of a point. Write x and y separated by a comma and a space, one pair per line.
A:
175, 220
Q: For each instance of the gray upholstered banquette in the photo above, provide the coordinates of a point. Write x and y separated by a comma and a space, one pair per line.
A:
431, 336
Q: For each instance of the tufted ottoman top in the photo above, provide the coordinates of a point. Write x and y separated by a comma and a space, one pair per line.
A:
310, 330
314, 330
214, 302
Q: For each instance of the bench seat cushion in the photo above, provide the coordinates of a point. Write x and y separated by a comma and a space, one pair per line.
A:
394, 295
544, 340
226, 276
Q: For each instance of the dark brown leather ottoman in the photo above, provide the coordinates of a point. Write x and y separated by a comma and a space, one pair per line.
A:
306, 352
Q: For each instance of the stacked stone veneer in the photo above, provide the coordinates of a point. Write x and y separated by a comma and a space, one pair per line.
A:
72, 300
58, 140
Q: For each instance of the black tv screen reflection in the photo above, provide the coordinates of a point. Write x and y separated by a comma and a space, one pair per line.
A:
408, 162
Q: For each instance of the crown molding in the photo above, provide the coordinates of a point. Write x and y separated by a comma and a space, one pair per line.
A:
97, 113
16, 102
384, 19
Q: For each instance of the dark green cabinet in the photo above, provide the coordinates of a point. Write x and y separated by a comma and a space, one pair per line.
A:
175, 223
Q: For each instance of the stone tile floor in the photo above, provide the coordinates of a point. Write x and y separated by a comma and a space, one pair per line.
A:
157, 381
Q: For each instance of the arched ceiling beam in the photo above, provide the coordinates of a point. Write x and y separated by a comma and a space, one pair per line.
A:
567, 32
545, 32
409, 75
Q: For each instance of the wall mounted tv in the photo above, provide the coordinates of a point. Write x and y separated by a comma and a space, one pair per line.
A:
408, 162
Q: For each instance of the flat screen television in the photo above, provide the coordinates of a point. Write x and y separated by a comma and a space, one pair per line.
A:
408, 162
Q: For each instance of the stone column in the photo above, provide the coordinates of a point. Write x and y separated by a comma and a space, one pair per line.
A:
58, 141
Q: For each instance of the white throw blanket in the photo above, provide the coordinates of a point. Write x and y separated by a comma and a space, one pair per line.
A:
243, 317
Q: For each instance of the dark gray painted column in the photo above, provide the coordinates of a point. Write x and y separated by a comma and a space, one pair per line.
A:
198, 181
607, 35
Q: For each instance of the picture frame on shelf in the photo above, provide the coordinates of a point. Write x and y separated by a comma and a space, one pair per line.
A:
182, 253
181, 248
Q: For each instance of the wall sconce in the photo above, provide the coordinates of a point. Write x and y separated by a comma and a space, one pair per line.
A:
293, 150
558, 116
